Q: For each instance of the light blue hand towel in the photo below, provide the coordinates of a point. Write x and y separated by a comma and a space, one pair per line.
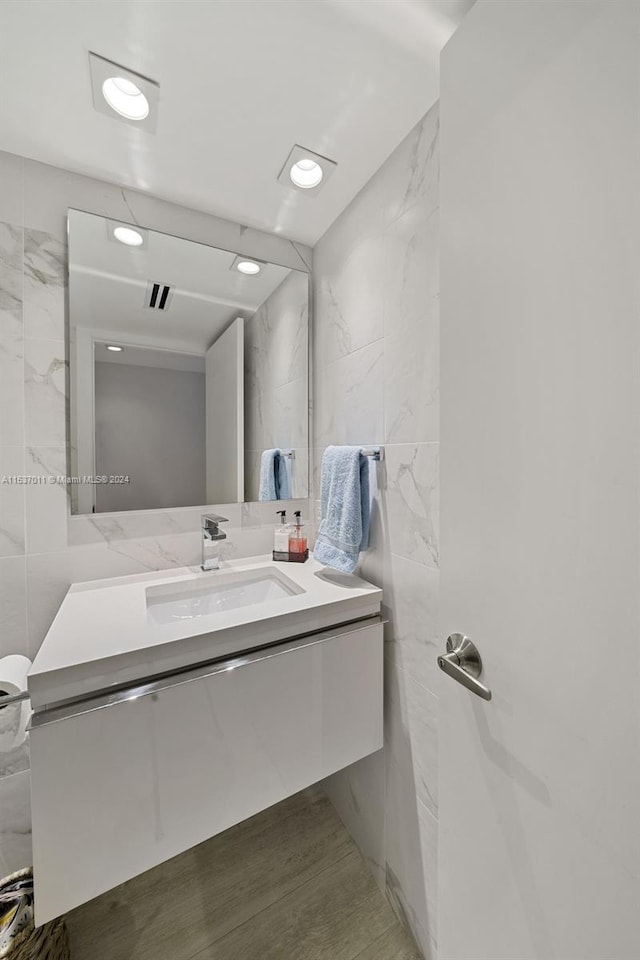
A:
274, 476
283, 480
344, 494
268, 463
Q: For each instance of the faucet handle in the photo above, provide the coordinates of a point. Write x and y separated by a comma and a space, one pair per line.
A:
210, 528
212, 519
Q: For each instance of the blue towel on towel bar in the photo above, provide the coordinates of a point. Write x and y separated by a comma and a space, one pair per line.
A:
344, 495
283, 477
274, 476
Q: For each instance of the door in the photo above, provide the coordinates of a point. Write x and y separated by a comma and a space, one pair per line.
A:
225, 416
539, 793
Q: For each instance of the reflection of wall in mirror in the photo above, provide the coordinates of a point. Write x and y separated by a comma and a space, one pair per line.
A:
276, 404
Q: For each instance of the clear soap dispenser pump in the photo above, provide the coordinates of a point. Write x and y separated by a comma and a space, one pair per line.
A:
281, 537
297, 537
298, 548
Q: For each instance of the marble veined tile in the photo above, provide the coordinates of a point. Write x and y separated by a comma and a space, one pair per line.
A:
411, 602
411, 732
411, 501
45, 397
411, 330
300, 474
252, 474
260, 514
12, 500
15, 823
290, 425
411, 834
11, 251
276, 380
49, 575
46, 503
11, 336
408, 179
287, 344
138, 524
13, 606
350, 299
14, 741
349, 398
422, 165
44, 285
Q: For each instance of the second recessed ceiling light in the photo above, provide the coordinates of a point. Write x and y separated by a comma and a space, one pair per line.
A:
124, 94
306, 170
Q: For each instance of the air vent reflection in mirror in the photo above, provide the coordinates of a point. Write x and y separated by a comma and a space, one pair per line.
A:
158, 296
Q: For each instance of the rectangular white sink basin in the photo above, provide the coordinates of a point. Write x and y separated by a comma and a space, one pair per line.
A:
173, 602
126, 629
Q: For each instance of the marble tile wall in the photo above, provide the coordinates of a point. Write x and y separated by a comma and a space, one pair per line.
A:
42, 548
276, 383
375, 379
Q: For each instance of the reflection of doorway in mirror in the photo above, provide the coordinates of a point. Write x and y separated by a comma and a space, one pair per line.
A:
149, 428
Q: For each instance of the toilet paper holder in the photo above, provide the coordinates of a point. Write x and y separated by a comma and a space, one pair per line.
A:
8, 698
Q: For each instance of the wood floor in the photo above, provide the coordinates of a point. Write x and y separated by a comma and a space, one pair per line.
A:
289, 884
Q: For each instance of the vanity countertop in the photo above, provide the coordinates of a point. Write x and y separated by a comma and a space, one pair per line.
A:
103, 634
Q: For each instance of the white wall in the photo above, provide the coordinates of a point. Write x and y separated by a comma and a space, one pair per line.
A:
42, 548
376, 381
150, 425
276, 383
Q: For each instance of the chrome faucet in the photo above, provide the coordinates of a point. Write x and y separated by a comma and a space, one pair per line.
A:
211, 536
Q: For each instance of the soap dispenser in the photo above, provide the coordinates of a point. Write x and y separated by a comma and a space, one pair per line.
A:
281, 538
298, 550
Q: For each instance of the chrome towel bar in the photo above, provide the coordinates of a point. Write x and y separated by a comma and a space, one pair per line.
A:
376, 453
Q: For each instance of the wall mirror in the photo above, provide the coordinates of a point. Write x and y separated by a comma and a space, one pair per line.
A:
188, 372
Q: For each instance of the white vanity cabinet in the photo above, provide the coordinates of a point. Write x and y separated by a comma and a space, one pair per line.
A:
124, 781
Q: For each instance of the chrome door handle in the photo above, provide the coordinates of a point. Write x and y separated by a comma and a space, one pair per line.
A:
463, 662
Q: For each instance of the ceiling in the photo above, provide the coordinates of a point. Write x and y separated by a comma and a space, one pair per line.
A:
109, 281
241, 81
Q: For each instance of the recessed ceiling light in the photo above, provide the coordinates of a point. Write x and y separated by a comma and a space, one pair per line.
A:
250, 267
123, 94
125, 98
306, 173
306, 170
130, 234
126, 235
113, 348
